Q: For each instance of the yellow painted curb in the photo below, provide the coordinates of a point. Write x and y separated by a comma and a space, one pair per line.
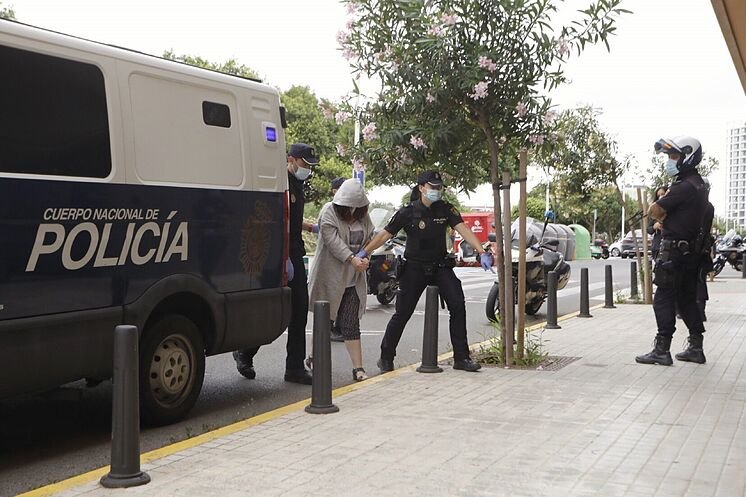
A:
168, 450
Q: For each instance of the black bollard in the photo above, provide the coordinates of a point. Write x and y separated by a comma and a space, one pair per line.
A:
743, 267
609, 304
321, 388
585, 311
552, 302
430, 333
125, 423
633, 280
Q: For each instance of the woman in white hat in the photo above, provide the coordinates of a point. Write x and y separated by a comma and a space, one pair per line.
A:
337, 275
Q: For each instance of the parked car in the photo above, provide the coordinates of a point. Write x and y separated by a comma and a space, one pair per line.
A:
615, 249
628, 245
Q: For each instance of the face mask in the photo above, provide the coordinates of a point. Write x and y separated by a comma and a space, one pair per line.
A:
671, 167
433, 195
302, 173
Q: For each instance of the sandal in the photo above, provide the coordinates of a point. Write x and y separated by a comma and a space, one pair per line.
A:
358, 374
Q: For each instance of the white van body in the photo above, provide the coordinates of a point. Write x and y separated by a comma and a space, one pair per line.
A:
134, 190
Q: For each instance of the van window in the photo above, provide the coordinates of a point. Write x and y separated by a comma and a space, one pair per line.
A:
216, 114
54, 119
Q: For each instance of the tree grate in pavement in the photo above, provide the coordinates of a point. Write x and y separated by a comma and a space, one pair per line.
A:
550, 363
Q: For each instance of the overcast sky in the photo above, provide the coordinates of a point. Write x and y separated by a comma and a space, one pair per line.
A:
669, 71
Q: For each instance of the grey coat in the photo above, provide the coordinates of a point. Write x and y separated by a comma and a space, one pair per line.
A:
331, 269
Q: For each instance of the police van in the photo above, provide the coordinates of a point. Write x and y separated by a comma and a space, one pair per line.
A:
134, 190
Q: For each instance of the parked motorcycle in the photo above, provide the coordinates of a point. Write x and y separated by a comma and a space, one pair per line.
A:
729, 250
382, 270
540, 259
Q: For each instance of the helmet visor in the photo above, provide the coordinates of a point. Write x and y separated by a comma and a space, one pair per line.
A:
664, 146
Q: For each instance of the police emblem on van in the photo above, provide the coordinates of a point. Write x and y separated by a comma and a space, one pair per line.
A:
256, 238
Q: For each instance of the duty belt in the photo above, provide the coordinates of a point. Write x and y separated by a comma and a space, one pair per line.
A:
682, 246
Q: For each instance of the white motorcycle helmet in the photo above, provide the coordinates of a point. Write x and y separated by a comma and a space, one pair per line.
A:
689, 148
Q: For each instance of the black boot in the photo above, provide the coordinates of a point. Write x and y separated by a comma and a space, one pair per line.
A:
660, 353
694, 351
244, 365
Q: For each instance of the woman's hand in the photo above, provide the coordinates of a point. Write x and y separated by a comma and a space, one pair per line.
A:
360, 265
657, 226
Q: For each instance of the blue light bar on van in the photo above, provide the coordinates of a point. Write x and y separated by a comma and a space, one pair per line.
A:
270, 134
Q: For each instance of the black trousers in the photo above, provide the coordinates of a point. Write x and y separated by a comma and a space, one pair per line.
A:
412, 283
680, 291
296, 346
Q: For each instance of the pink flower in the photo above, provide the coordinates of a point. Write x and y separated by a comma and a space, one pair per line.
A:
563, 47
449, 19
521, 109
350, 23
394, 66
480, 90
349, 53
341, 150
342, 116
328, 112
351, 9
549, 117
369, 132
358, 164
487, 63
430, 98
417, 142
437, 31
343, 37
536, 139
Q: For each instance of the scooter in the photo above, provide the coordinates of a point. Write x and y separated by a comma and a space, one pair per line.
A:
729, 250
382, 270
540, 259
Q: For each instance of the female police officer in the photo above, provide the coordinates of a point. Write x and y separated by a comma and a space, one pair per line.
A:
425, 221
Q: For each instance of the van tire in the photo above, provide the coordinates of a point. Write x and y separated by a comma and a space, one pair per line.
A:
172, 369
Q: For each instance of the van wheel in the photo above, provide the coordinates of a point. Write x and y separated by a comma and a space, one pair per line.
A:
172, 368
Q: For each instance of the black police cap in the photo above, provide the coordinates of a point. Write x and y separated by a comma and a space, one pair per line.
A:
432, 177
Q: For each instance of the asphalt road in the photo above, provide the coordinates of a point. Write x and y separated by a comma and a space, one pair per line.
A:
48, 438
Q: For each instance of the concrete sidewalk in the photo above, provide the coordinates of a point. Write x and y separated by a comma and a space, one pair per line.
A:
600, 426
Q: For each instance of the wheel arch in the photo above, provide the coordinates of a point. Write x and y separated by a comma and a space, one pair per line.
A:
185, 295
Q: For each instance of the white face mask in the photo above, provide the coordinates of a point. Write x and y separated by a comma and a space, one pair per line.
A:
433, 195
671, 167
302, 173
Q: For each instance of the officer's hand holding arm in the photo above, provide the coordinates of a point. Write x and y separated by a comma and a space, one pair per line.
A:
382, 237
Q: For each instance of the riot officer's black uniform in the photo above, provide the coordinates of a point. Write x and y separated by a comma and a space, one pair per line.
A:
677, 267
427, 263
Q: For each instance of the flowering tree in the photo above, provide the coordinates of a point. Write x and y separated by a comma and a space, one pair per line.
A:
462, 82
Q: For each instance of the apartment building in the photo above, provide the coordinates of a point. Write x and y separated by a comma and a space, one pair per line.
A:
736, 176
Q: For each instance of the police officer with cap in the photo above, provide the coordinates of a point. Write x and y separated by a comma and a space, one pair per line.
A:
425, 221
301, 159
681, 213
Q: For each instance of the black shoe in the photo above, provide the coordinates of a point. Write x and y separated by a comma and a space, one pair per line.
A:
694, 351
467, 365
299, 376
660, 353
385, 365
245, 369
